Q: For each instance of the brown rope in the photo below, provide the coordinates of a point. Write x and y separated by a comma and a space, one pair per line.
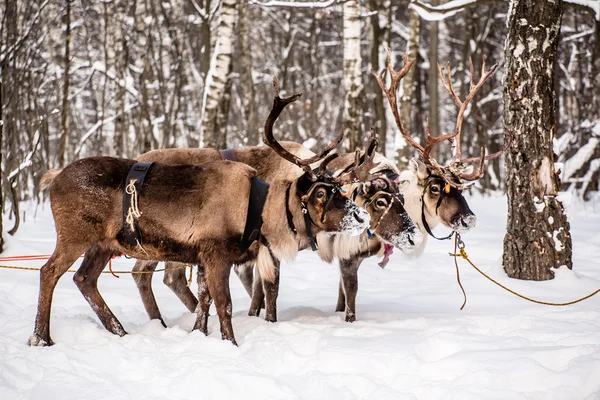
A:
458, 274
462, 253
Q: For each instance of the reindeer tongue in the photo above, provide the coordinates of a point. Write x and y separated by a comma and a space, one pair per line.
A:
389, 249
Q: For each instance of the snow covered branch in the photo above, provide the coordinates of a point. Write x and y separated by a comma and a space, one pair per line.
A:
294, 4
438, 13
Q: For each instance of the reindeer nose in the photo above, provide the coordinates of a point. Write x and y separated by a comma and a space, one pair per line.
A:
464, 221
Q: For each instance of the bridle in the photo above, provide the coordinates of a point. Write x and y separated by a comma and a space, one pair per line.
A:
308, 221
443, 194
393, 197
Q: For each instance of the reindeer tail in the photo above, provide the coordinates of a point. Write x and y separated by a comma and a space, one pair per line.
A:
48, 178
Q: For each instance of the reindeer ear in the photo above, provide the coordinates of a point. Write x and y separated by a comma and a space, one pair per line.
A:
419, 168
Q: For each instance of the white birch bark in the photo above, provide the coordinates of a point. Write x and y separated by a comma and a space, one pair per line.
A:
217, 74
353, 85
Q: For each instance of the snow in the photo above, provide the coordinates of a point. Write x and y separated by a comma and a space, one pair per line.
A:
410, 340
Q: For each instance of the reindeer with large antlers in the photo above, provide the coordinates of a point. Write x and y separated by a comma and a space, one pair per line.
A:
187, 213
434, 193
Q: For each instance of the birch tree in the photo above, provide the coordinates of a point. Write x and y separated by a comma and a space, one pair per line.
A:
217, 76
537, 238
353, 85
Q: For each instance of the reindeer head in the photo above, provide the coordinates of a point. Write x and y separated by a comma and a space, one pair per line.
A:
320, 193
389, 220
441, 186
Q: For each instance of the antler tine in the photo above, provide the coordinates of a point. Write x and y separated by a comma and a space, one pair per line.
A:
327, 160
278, 105
478, 172
391, 92
497, 154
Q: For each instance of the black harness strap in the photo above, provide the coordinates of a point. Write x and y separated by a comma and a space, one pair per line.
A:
288, 213
258, 196
228, 154
424, 220
307, 222
256, 203
137, 174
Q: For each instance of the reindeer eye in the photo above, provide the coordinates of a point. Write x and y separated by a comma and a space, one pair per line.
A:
381, 203
435, 189
320, 194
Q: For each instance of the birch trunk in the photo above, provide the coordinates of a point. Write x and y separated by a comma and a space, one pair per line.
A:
64, 112
537, 238
353, 85
217, 75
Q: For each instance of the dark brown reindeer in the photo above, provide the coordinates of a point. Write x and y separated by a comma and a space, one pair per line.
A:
189, 214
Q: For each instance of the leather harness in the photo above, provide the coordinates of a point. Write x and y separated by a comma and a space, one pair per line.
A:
258, 196
256, 203
135, 177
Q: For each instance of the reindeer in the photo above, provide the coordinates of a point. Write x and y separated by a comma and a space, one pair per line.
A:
186, 213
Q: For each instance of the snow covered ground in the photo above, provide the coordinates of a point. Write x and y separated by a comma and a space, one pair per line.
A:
410, 340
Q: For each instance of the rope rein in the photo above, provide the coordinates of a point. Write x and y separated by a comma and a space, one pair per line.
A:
458, 243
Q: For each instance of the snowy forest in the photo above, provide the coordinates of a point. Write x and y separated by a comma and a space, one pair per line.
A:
84, 77
450, 149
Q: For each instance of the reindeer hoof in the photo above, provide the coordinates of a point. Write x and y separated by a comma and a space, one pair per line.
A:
340, 309
271, 318
350, 317
35, 340
254, 312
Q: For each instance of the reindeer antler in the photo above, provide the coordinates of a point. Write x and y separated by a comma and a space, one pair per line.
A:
361, 170
278, 105
452, 172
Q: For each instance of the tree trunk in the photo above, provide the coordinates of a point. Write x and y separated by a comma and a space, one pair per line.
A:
252, 131
376, 96
218, 75
537, 237
64, 112
434, 113
353, 86
404, 154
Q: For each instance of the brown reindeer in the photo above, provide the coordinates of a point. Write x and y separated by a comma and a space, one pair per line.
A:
186, 213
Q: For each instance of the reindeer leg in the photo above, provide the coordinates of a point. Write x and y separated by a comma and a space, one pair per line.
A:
341, 303
258, 295
271, 291
349, 270
217, 279
246, 275
204, 302
176, 280
57, 265
143, 280
86, 279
